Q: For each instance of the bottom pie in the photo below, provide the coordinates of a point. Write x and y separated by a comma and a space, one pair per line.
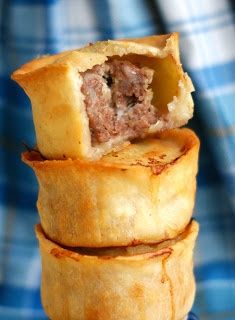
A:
153, 282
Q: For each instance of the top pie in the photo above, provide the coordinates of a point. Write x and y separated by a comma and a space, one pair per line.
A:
89, 101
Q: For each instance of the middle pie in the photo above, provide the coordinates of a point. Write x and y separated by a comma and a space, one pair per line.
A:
140, 194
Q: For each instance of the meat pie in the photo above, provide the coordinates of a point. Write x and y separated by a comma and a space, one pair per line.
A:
89, 101
143, 282
142, 193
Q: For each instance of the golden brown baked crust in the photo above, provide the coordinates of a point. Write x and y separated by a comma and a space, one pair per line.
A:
142, 193
53, 84
157, 284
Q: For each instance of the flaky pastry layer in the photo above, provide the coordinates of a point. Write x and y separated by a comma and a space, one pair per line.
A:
157, 284
140, 194
53, 84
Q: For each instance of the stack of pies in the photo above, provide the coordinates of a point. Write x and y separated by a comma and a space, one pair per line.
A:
117, 180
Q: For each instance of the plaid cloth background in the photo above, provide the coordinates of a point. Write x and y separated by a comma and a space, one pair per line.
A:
33, 27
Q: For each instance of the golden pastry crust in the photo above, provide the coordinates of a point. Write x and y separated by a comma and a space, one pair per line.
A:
53, 84
156, 284
140, 194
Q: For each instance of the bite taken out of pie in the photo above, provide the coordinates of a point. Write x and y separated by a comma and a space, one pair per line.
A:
88, 101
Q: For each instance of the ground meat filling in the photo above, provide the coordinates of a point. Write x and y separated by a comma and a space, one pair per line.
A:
118, 100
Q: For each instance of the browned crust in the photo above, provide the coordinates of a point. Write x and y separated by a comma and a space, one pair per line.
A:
35, 160
162, 248
65, 253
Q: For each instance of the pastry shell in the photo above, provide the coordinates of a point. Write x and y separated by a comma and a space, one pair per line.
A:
53, 84
140, 194
145, 282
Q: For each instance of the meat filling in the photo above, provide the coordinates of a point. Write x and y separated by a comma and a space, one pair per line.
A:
118, 100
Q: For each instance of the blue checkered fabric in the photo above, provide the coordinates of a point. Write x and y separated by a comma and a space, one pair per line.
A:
33, 27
